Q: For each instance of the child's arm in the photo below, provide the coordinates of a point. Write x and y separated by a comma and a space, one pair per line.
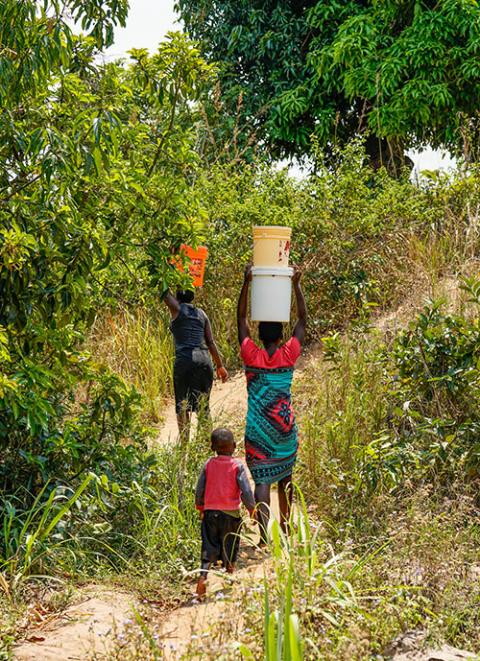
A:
200, 491
246, 492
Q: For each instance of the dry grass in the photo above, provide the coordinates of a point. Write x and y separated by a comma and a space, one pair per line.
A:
138, 347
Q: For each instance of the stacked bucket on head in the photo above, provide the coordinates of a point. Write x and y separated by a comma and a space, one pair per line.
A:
271, 275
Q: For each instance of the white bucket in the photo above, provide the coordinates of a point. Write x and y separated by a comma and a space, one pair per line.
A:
271, 293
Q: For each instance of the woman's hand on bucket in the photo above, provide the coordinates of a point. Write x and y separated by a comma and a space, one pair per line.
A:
297, 274
222, 374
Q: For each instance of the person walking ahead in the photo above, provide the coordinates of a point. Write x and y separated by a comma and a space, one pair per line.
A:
271, 432
193, 369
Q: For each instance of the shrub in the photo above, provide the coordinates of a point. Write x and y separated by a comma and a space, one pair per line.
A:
388, 416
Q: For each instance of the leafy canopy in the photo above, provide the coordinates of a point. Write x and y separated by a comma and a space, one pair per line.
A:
407, 71
96, 165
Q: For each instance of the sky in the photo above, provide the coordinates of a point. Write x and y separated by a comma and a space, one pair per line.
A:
149, 21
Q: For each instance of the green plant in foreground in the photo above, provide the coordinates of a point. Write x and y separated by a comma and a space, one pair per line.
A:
28, 539
302, 590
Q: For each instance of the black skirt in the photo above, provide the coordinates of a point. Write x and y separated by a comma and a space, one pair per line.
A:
220, 537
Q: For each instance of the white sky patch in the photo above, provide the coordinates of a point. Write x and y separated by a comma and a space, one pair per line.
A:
148, 22
431, 159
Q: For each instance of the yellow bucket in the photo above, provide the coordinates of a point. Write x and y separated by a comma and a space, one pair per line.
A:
271, 245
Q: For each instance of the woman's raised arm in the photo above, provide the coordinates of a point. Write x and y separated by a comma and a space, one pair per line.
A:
300, 326
242, 321
172, 304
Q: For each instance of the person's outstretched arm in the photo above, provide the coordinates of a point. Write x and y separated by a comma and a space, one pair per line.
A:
242, 321
172, 304
212, 347
299, 330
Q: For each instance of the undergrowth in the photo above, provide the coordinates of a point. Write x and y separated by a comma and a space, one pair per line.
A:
389, 425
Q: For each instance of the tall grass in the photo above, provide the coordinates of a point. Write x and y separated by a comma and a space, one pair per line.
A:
29, 542
343, 407
138, 347
305, 587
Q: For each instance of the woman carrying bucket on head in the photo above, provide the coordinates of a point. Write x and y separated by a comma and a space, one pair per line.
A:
271, 433
194, 349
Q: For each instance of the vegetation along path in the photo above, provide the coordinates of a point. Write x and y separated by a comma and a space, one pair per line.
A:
90, 627
99, 625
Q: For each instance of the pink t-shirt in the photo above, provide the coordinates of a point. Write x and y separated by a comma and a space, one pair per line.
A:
285, 356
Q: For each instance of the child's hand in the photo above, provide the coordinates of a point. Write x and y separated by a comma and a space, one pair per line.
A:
200, 515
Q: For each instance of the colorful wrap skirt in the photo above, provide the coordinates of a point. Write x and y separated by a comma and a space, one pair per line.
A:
271, 439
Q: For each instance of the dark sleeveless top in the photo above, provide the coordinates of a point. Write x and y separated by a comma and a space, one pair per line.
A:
188, 331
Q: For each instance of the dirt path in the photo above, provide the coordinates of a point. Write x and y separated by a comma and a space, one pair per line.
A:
227, 400
82, 630
185, 625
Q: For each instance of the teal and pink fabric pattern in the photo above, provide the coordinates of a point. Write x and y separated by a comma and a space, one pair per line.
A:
271, 439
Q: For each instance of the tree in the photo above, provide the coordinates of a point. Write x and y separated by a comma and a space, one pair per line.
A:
406, 72
95, 177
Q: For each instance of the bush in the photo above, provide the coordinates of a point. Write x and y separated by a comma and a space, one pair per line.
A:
386, 417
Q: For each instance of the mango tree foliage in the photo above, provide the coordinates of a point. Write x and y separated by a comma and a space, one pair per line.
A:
96, 168
406, 71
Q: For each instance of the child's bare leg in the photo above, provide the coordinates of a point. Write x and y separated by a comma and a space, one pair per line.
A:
285, 493
262, 498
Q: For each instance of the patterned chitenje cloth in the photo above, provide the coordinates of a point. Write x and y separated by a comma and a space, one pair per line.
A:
271, 432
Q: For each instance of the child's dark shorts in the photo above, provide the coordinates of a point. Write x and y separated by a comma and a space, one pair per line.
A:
220, 537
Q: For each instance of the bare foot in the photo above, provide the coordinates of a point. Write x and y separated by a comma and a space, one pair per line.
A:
201, 588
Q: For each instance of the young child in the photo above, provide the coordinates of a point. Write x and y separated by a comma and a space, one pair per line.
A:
222, 484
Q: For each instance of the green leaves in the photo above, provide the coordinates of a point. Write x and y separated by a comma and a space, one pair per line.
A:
338, 69
96, 171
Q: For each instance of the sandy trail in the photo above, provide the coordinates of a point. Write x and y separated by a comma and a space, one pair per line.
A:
81, 630
226, 401
188, 624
